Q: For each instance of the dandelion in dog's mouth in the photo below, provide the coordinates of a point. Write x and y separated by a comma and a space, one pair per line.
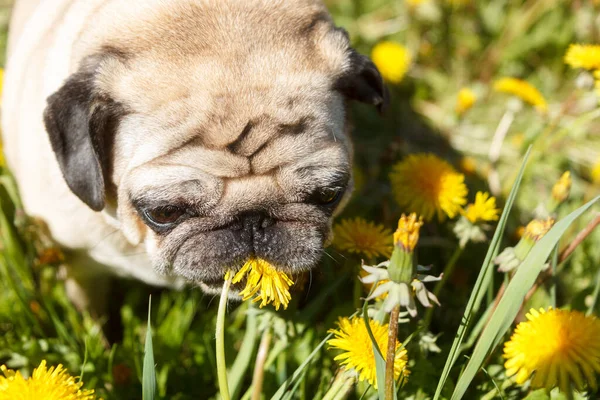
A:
264, 283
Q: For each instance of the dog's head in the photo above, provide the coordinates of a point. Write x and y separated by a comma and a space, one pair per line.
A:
216, 133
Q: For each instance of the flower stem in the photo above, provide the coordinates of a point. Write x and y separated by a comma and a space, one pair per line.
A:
220, 336
391, 353
448, 269
259, 366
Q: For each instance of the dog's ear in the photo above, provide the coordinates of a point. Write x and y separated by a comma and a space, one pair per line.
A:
363, 82
79, 121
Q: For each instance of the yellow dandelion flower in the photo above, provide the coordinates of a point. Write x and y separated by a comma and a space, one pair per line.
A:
523, 90
558, 347
583, 56
363, 237
2, 162
596, 173
392, 60
562, 188
483, 209
465, 100
458, 3
414, 3
536, 229
264, 282
352, 337
52, 383
407, 234
428, 185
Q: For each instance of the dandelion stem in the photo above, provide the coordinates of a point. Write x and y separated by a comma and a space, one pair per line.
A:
391, 353
448, 269
259, 365
220, 339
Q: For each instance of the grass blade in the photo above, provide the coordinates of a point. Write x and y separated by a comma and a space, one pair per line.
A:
242, 361
289, 382
149, 373
475, 297
513, 297
300, 370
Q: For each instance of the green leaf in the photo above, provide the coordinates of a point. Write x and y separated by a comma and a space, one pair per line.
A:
480, 285
513, 297
379, 359
149, 373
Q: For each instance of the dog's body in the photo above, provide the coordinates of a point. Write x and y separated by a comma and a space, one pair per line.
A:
168, 140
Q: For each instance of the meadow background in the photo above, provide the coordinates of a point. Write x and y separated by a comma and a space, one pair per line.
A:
453, 44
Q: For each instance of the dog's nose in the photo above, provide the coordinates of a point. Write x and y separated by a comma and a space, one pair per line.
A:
256, 222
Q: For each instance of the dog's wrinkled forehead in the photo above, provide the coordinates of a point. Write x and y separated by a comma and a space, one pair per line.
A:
258, 129
267, 107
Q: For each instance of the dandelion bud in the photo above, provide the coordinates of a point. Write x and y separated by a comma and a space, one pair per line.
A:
537, 228
405, 241
465, 100
561, 190
407, 234
482, 210
512, 257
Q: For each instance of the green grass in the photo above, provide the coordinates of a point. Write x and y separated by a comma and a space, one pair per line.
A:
452, 47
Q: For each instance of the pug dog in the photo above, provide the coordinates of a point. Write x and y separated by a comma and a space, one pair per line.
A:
171, 140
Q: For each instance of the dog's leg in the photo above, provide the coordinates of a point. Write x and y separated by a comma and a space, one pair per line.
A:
88, 293
87, 284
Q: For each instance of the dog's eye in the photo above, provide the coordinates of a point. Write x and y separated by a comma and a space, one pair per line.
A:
328, 196
164, 215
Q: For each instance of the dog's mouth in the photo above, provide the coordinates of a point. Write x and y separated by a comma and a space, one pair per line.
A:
216, 284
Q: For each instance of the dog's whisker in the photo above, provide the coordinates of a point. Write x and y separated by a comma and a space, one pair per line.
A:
330, 256
339, 254
104, 238
310, 277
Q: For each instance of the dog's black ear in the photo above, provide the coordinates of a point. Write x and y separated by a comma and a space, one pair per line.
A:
78, 120
363, 82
